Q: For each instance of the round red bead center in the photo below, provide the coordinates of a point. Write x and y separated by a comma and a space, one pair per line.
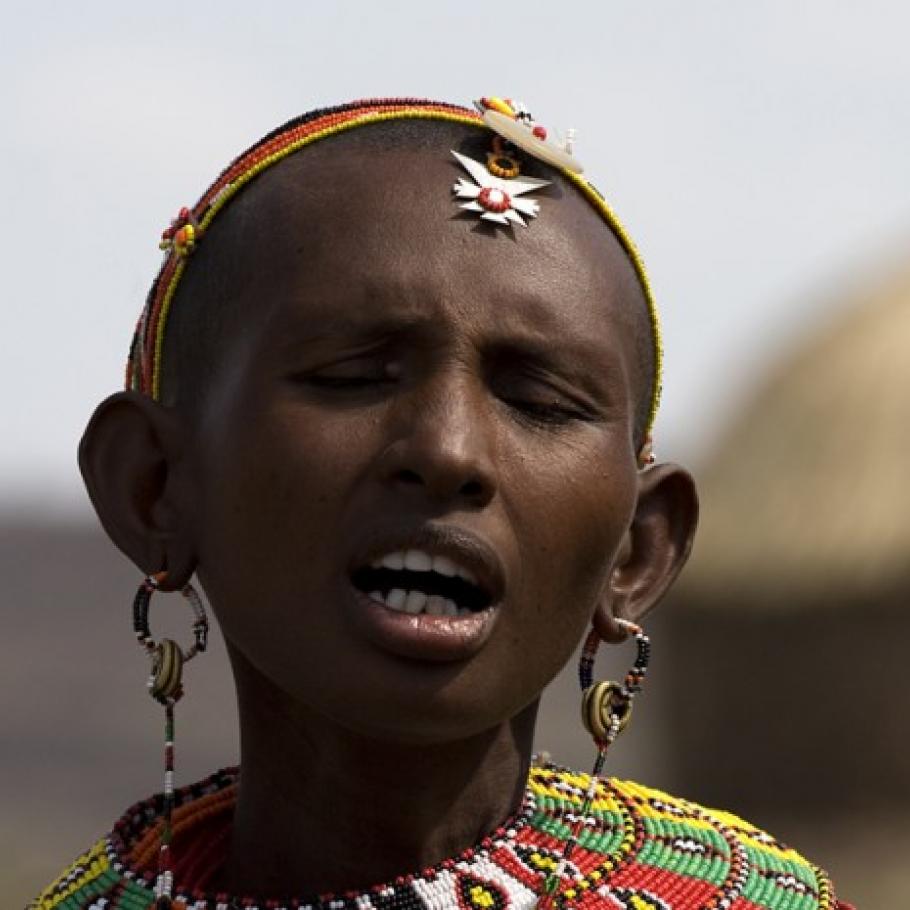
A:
494, 200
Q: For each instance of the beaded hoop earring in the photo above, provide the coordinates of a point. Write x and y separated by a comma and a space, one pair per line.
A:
606, 708
165, 685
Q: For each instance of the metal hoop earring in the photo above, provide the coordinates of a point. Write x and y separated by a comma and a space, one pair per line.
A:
606, 708
165, 685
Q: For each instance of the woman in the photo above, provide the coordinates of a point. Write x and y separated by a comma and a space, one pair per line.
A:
400, 431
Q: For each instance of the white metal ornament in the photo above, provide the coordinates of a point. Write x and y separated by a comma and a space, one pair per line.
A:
495, 198
521, 135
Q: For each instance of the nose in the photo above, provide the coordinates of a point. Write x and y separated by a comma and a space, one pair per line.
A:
443, 445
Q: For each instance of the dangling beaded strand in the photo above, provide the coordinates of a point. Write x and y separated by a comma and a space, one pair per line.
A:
165, 685
164, 887
614, 701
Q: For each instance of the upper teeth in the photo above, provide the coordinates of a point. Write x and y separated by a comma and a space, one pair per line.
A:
420, 561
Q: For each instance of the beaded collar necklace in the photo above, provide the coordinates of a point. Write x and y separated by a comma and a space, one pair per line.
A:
639, 849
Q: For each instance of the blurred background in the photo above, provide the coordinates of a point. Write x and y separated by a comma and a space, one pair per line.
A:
759, 155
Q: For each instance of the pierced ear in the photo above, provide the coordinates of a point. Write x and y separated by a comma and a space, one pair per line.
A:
654, 550
128, 457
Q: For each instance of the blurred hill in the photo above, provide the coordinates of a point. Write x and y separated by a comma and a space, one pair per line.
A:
791, 692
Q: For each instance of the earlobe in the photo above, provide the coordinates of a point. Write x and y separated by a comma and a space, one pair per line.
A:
654, 550
128, 457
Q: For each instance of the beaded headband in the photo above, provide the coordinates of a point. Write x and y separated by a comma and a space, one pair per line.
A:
143, 371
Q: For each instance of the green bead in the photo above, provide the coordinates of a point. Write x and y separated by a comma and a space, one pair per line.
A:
551, 884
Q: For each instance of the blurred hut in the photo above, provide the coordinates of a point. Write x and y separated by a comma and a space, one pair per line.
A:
791, 629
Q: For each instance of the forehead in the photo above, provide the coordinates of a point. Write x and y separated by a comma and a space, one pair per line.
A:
339, 230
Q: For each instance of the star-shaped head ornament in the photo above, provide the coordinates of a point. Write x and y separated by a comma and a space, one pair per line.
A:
497, 199
498, 188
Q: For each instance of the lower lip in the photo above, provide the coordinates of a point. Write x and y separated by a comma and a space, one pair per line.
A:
422, 636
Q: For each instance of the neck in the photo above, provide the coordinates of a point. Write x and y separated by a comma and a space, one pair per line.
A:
321, 809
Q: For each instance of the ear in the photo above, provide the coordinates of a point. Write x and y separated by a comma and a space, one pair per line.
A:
654, 550
129, 457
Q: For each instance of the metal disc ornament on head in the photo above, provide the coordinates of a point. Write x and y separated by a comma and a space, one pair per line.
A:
537, 144
165, 685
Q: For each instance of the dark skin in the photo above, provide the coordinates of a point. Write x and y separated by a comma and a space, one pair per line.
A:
400, 373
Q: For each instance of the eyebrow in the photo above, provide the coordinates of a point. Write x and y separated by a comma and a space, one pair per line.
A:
576, 360
355, 331
570, 354
509, 340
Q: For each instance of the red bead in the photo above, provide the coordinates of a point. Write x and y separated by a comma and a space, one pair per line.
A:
540, 132
494, 200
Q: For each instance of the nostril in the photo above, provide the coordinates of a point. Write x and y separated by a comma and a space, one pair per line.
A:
473, 489
437, 472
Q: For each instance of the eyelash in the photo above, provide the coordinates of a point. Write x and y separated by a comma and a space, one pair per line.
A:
554, 414
347, 382
532, 412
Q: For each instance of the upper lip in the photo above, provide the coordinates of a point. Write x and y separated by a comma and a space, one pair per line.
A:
461, 546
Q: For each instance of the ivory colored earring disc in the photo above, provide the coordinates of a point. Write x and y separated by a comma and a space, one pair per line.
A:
598, 707
167, 670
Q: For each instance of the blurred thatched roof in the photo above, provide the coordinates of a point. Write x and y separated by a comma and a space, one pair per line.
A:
807, 500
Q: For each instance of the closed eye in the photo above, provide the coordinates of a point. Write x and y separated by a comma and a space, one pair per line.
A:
356, 373
538, 387
541, 399
548, 412
345, 382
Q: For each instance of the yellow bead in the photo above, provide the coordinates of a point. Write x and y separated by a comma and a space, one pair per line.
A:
499, 105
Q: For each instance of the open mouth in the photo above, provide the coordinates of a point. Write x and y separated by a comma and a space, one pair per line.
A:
417, 582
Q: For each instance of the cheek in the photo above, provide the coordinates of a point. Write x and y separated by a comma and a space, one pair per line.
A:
577, 512
602, 506
576, 507
275, 492
578, 502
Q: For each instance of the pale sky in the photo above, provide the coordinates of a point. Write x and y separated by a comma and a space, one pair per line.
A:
758, 152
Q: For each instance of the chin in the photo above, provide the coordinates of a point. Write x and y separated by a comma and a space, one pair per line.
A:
425, 715
377, 696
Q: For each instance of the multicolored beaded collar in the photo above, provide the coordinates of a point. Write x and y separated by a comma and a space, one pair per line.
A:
143, 372
641, 850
